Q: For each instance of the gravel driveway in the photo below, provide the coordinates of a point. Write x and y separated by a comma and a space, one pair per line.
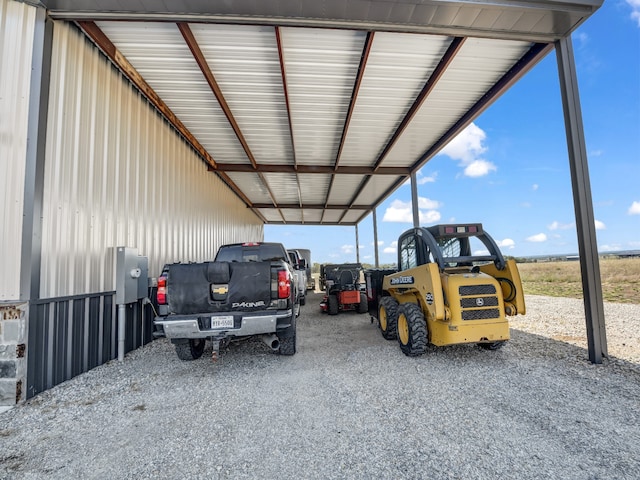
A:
349, 404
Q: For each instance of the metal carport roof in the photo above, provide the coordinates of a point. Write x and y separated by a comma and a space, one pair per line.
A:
315, 111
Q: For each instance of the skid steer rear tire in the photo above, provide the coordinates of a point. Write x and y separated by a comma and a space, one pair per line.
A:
388, 317
412, 330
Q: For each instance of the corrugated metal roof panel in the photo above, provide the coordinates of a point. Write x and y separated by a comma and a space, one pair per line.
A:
159, 53
332, 216
321, 67
353, 215
271, 215
343, 188
252, 186
397, 69
314, 187
284, 187
376, 186
312, 215
245, 63
291, 215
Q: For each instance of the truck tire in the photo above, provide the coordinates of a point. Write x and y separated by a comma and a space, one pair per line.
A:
287, 339
412, 330
333, 304
363, 307
388, 317
190, 349
303, 299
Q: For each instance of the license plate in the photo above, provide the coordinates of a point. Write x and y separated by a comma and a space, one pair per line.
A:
222, 322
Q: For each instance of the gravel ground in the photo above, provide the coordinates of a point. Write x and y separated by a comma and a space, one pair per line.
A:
349, 404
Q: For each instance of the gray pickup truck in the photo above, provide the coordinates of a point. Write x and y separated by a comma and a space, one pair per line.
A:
247, 290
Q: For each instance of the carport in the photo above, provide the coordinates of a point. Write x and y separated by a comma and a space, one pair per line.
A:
310, 112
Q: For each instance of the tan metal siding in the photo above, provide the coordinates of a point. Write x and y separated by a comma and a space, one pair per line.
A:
17, 23
117, 174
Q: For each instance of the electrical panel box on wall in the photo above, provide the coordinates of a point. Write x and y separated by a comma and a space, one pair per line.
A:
132, 273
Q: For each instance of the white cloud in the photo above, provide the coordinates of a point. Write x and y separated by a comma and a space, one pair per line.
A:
393, 248
506, 243
479, 253
422, 179
635, 10
634, 209
467, 145
535, 187
467, 148
479, 168
555, 225
427, 203
600, 225
538, 238
401, 212
347, 248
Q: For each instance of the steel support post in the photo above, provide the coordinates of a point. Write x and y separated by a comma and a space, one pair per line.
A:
357, 246
375, 238
414, 200
582, 201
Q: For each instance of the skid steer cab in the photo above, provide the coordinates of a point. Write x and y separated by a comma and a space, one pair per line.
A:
453, 286
343, 289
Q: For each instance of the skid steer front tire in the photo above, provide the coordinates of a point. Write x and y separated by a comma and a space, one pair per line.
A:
388, 317
412, 330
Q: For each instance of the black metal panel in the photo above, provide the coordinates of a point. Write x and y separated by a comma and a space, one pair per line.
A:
38, 340
76, 351
60, 344
93, 333
109, 338
71, 335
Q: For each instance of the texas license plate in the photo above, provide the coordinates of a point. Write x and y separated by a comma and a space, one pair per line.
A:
222, 322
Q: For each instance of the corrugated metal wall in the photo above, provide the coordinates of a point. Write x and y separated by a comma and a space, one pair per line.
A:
17, 22
117, 174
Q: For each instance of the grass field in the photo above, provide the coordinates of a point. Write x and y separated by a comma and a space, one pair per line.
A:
620, 279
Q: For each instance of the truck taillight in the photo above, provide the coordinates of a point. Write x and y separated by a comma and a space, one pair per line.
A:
162, 290
284, 284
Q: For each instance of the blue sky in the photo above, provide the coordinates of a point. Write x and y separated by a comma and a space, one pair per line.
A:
512, 162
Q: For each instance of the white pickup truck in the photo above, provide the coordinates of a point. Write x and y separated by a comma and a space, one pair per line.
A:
299, 273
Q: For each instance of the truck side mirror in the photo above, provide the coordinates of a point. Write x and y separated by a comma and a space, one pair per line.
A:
303, 263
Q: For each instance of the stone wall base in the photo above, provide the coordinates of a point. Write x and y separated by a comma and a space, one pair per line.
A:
13, 362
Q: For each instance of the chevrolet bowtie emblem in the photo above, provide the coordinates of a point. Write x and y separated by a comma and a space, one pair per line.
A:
220, 290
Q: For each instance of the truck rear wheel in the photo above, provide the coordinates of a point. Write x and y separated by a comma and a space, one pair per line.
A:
412, 330
333, 304
287, 339
363, 307
388, 317
190, 349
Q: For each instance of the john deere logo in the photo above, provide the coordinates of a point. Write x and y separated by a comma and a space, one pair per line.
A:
480, 302
401, 280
